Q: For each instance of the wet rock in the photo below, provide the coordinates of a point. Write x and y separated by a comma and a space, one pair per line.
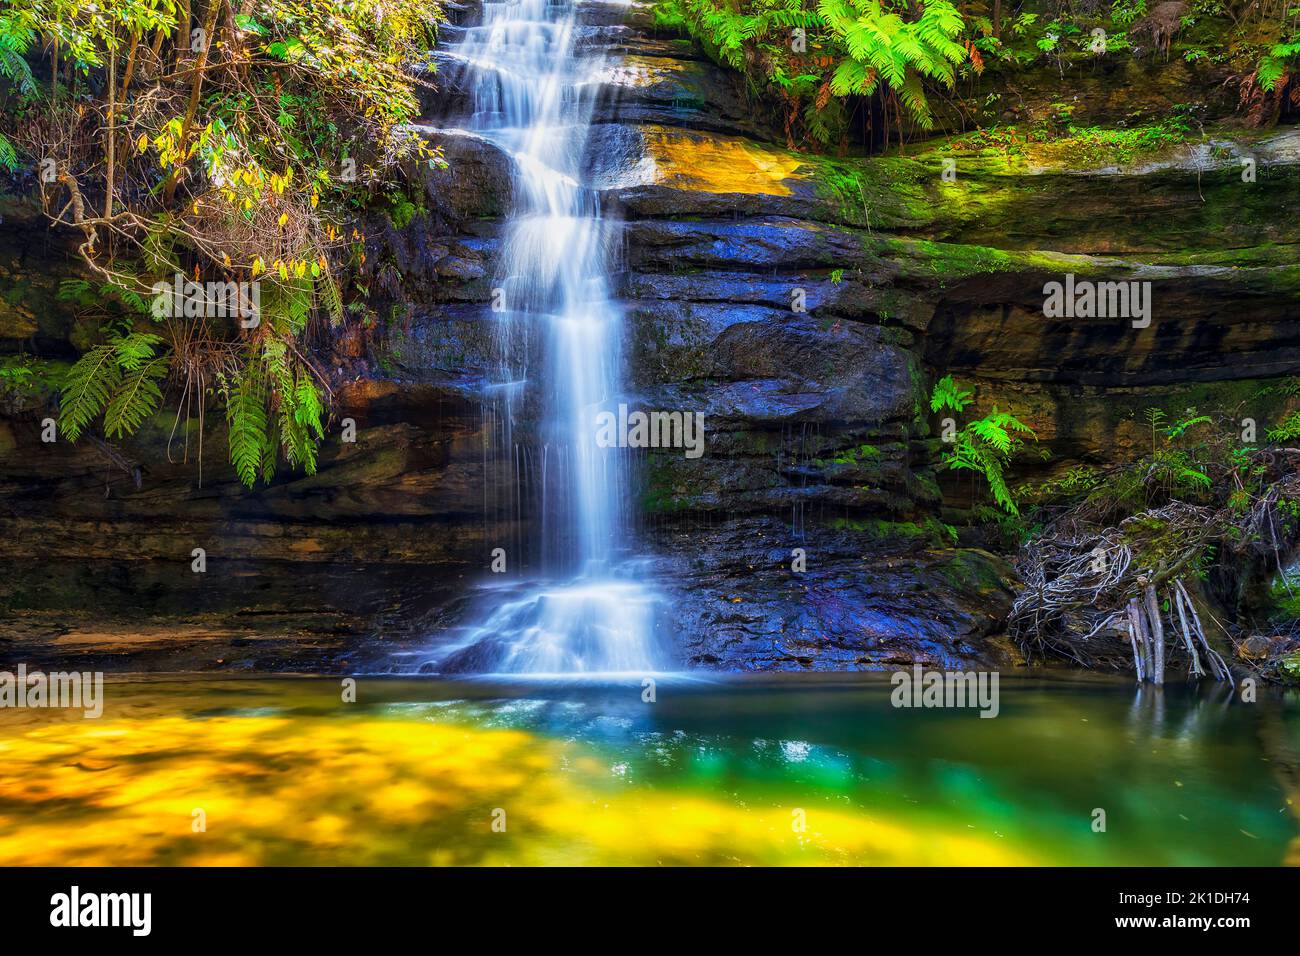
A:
858, 606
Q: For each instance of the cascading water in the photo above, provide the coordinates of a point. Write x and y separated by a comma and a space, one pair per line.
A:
533, 94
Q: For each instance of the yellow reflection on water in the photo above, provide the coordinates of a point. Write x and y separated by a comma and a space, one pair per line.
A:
378, 789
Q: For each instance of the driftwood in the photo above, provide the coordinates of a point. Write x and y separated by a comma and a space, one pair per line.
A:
1102, 589
1088, 598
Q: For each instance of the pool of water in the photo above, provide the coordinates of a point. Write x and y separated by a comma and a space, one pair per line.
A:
738, 770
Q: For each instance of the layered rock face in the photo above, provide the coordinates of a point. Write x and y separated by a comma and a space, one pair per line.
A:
802, 304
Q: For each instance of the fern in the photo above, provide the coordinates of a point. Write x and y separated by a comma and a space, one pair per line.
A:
985, 445
947, 394
1287, 430
128, 297
272, 405
8, 155
135, 349
16, 38
1273, 66
246, 421
137, 398
286, 306
121, 379
1177, 429
903, 53
995, 429
860, 44
88, 388
76, 290
328, 291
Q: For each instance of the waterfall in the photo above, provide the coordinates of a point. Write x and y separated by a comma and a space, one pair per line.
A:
533, 92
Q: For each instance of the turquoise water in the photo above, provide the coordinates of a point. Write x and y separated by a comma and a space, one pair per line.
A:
797, 769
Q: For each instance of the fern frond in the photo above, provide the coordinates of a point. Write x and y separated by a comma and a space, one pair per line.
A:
90, 384
246, 421
136, 399
948, 394
135, 349
13, 67
8, 155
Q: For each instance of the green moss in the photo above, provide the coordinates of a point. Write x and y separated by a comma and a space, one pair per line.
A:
1284, 596
402, 212
853, 456
881, 191
927, 533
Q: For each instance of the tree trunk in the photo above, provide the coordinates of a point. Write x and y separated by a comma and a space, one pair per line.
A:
111, 134
182, 32
200, 64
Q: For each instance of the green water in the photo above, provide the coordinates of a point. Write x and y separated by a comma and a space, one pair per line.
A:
736, 770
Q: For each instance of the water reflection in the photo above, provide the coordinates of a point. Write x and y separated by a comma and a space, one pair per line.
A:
589, 772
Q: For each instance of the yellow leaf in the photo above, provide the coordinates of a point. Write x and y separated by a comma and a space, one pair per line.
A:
284, 217
142, 143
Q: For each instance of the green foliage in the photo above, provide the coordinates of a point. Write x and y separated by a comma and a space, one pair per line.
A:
1290, 666
249, 164
87, 295
16, 37
1287, 430
1125, 12
1075, 482
882, 45
272, 406
246, 420
120, 379
983, 446
947, 394
1273, 65
24, 377
885, 48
